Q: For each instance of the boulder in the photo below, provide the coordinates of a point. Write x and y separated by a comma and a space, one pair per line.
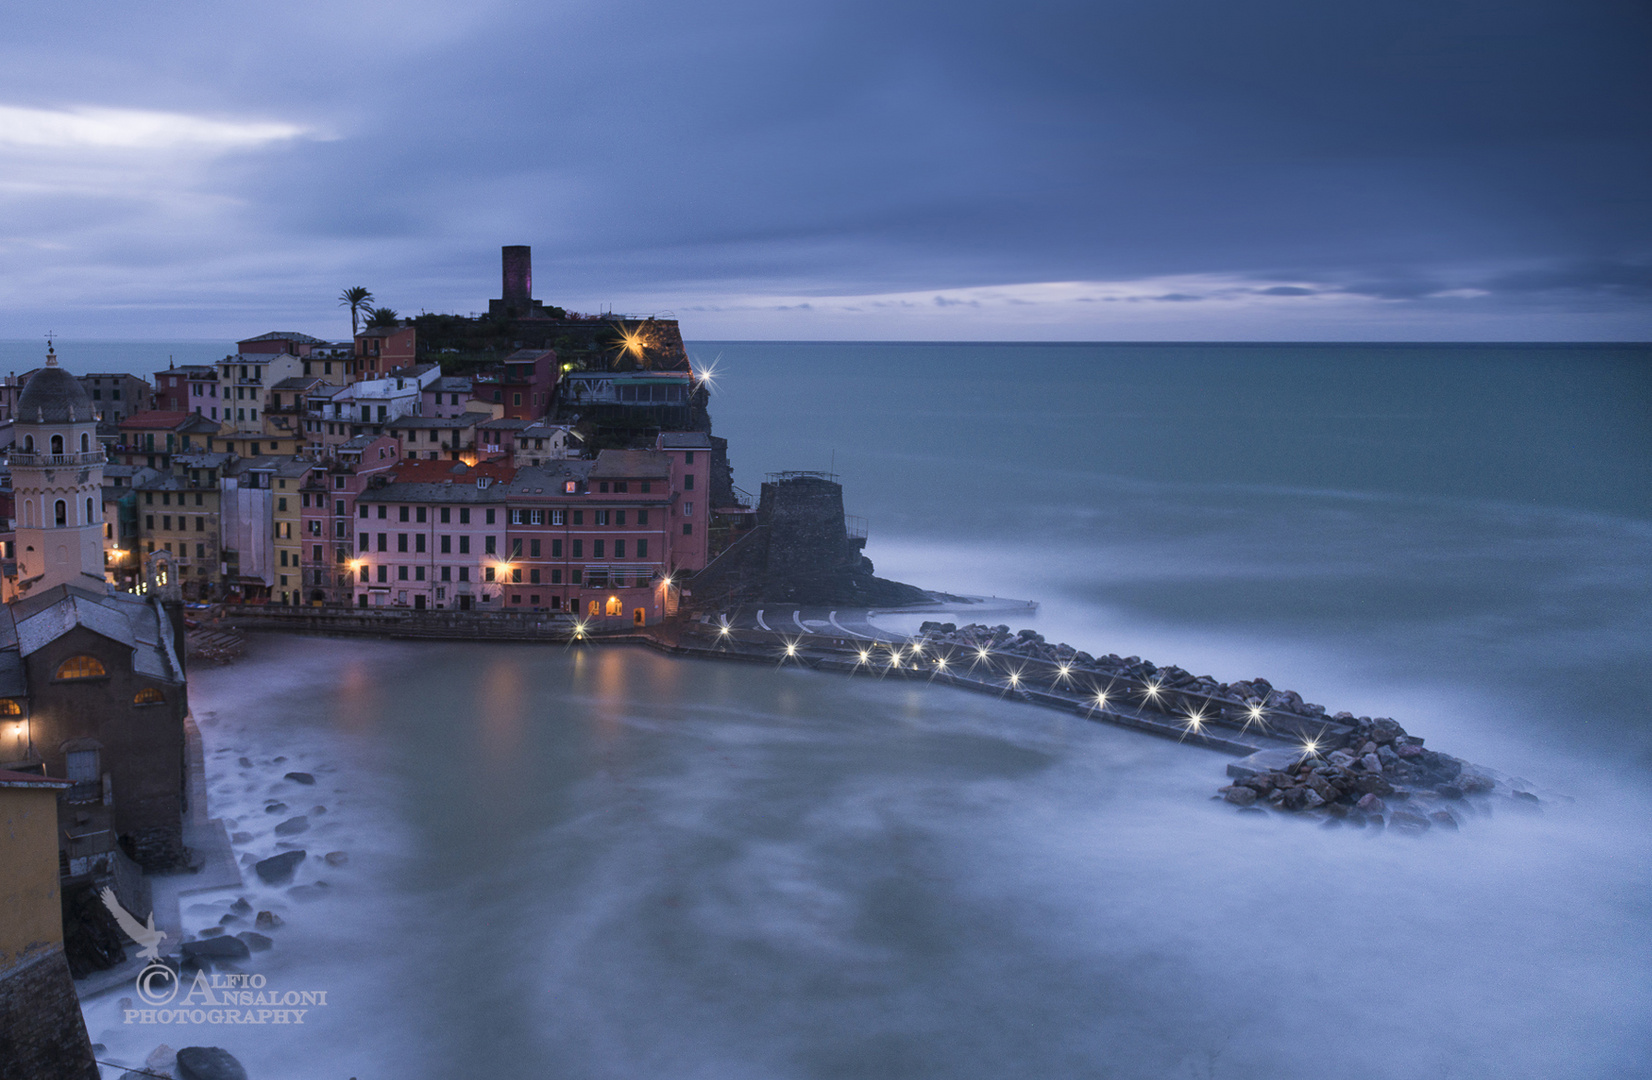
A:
255, 941
1408, 822
1342, 759
241, 906
1409, 750
1312, 800
275, 808
1473, 784
208, 1063
1384, 730
245, 762
278, 869
241, 838
1444, 819
267, 920
300, 778
1372, 784
223, 947
339, 858
1238, 795
1371, 763
1371, 804
293, 826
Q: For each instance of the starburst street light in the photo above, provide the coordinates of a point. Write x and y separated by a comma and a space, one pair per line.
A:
982, 656
789, 650
1099, 702
1254, 714
1012, 681
705, 374
1151, 691
1063, 673
1194, 724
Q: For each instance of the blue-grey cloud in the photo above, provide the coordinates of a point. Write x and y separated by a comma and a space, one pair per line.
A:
1405, 152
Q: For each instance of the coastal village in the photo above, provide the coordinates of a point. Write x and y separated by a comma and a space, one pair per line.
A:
530, 474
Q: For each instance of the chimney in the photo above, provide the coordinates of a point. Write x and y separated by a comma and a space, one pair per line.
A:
518, 274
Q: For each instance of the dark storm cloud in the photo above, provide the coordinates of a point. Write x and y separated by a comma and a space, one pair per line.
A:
1399, 151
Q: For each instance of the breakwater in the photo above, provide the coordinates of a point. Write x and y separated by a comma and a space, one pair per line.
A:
1294, 757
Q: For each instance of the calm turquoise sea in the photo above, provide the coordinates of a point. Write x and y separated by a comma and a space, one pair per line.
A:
615, 864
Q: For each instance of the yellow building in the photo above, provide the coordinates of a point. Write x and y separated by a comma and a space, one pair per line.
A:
180, 511
286, 517
40, 1023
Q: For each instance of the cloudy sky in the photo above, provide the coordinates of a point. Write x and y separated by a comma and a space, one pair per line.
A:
1094, 169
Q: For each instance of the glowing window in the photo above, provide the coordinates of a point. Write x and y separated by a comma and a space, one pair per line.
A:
81, 667
614, 606
10, 707
148, 696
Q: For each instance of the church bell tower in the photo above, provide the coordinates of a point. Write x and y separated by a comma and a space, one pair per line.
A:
57, 483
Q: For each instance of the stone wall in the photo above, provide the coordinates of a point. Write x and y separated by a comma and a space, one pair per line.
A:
42, 1034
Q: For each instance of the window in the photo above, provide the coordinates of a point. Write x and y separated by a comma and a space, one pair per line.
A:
363, 509
597, 549
445, 543
489, 518
600, 517
338, 484
62, 512
621, 486
366, 574
487, 545
401, 573
688, 528
579, 517
464, 545
688, 509
533, 578
81, 667
570, 487
447, 573
57, 444
536, 517
688, 458
642, 549
464, 515
464, 573
578, 549
149, 696
556, 517
384, 541
402, 511
603, 488
516, 575
418, 543
418, 573
384, 574
619, 549
614, 607
533, 548
556, 549
365, 538
688, 481
446, 515
487, 574
10, 707
420, 516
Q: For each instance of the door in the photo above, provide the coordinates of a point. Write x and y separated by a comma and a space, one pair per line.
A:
464, 601
418, 602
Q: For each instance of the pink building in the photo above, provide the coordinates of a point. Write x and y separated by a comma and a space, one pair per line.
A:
327, 504
383, 349
433, 536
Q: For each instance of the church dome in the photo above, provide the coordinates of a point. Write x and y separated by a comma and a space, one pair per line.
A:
53, 396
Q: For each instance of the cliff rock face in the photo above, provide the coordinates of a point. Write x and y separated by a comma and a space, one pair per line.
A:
801, 552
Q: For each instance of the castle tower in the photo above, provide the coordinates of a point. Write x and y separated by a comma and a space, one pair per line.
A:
57, 484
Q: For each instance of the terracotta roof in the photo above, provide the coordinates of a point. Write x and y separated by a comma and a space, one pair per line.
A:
23, 779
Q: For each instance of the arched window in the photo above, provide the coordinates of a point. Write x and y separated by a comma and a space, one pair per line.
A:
90, 517
28, 444
614, 606
85, 443
57, 444
149, 696
62, 511
81, 667
10, 707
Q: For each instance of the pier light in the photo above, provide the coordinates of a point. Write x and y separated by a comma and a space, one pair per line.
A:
940, 663
791, 648
723, 631
1151, 692
1255, 715
1014, 679
1194, 724
1310, 747
1063, 672
981, 654
1101, 699
917, 648
865, 656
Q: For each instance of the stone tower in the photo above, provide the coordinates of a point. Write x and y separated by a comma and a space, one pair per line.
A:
57, 484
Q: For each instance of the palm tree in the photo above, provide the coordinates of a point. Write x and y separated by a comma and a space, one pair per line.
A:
353, 298
382, 316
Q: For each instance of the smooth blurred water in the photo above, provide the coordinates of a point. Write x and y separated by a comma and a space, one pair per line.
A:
608, 863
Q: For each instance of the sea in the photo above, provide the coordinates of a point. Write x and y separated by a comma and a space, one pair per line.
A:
608, 863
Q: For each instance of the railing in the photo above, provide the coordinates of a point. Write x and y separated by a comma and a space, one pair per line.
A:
24, 457
854, 526
796, 474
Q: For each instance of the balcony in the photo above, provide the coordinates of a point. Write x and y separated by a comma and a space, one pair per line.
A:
48, 461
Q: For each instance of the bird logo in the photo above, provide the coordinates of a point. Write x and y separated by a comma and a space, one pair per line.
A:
148, 938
